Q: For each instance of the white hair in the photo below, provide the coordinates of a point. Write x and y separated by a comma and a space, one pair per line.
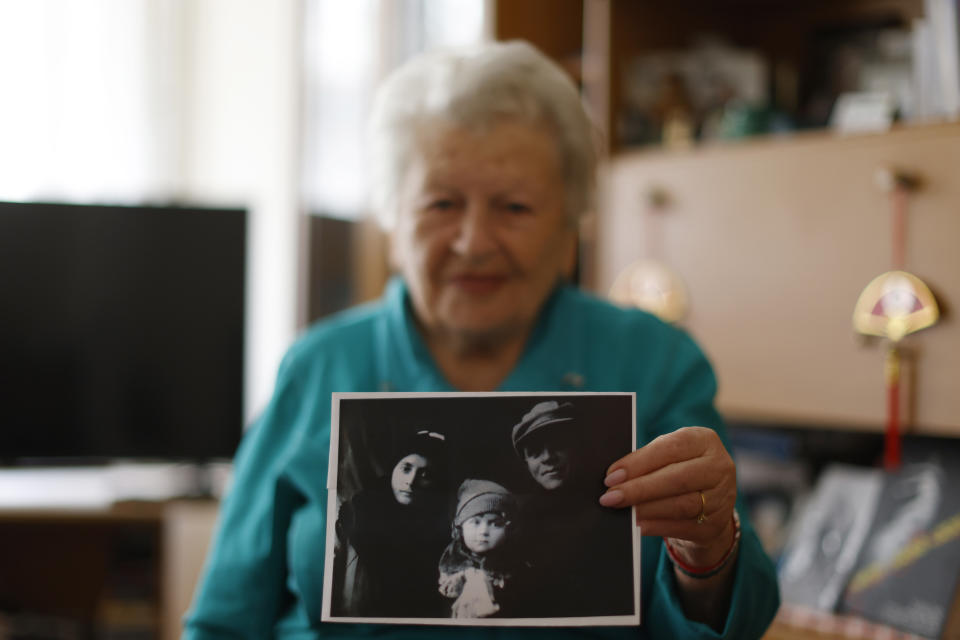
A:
475, 87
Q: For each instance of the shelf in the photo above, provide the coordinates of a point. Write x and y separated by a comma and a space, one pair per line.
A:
793, 44
130, 567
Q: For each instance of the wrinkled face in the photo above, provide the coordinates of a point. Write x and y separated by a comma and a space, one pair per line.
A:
411, 477
484, 532
482, 233
548, 458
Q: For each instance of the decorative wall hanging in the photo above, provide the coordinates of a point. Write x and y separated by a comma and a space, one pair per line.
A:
894, 305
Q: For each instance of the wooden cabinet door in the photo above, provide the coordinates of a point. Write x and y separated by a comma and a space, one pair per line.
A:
775, 240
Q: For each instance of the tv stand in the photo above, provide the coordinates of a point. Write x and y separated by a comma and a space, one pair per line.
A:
98, 487
127, 569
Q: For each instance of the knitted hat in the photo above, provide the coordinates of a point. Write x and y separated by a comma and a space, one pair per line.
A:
481, 496
543, 414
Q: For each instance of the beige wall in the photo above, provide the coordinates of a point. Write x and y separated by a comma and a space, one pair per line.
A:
775, 240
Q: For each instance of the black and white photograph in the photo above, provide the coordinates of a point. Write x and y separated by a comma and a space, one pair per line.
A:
479, 509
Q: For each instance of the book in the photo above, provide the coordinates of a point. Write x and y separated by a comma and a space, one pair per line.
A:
906, 575
825, 542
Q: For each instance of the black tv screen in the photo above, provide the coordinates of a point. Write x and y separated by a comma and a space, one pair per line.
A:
121, 332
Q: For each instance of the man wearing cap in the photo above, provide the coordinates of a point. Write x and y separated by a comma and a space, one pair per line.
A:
545, 439
577, 548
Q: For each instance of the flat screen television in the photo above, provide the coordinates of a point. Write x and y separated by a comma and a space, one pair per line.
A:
121, 333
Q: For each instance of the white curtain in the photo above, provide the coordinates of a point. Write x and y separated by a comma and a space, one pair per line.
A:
89, 100
349, 46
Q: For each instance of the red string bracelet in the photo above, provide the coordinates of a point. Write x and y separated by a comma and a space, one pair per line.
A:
706, 572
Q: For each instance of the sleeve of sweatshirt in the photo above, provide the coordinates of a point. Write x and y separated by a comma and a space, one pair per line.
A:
689, 401
242, 591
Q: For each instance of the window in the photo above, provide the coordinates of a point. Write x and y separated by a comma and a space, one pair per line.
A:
349, 46
89, 100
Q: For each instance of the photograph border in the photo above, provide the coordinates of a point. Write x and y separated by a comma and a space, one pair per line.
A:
332, 486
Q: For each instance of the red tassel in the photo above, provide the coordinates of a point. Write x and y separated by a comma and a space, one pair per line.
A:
891, 452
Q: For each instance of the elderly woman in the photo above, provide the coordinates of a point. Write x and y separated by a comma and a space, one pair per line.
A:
483, 162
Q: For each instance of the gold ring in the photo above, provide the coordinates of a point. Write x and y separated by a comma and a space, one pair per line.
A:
702, 516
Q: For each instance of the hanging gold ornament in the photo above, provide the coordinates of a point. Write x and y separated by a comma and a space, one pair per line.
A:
652, 286
893, 305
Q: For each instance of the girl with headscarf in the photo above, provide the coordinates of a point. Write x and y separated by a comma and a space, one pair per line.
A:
390, 536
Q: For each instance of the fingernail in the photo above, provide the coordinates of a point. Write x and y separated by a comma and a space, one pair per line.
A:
611, 498
616, 477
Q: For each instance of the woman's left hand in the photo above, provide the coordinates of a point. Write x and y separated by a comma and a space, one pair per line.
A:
684, 487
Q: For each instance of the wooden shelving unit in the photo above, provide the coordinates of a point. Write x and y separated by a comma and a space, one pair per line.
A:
775, 236
128, 569
597, 39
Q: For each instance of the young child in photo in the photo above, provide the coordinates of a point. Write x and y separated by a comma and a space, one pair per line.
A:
479, 567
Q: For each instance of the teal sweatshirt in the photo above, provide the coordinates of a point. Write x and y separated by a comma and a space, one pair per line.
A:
264, 574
